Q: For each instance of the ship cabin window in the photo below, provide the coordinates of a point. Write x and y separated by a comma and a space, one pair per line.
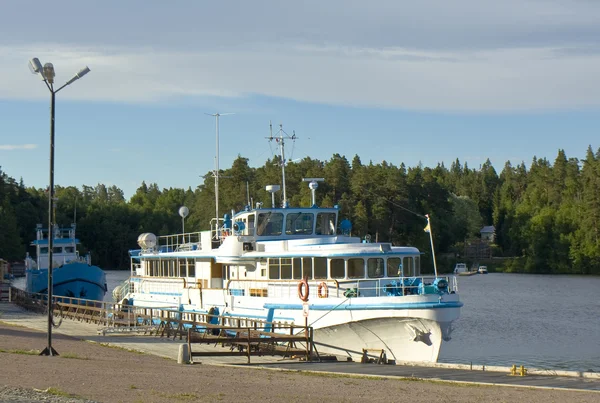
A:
394, 267
151, 268
286, 268
356, 268
407, 266
307, 267
187, 267
299, 223
282, 269
263, 264
57, 249
320, 267
269, 224
250, 224
337, 268
44, 249
375, 267
297, 268
273, 269
69, 249
325, 224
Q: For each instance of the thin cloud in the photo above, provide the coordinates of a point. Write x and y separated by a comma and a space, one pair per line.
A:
10, 147
508, 79
464, 56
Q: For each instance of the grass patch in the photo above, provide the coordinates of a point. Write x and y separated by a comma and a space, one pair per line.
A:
132, 387
73, 356
387, 379
57, 392
23, 352
177, 396
122, 348
3, 323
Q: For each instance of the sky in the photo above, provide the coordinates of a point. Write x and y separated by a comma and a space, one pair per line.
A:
408, 82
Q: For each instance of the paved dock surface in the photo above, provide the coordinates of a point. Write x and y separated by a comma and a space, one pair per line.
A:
444, 374
169, 348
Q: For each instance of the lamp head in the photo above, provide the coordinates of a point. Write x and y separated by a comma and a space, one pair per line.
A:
49, 72
80, 74
83, 72
35, 66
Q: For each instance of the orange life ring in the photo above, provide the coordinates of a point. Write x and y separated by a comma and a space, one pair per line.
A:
303, 290
323, 290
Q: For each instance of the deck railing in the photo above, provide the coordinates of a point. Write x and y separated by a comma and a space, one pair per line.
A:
180, 242
376, 287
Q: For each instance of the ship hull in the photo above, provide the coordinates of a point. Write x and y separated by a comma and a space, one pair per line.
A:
74, 280
405, 329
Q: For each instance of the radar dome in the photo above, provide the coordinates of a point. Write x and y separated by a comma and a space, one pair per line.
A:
147, 240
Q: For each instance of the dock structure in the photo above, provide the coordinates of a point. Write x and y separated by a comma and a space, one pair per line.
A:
266, 352
247, 341
244, 336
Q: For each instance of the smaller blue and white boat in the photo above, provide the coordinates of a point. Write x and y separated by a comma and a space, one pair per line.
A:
72, 275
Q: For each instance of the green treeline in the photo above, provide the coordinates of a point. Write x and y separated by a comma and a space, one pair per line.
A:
547, 218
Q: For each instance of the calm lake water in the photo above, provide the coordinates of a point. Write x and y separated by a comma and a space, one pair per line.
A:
550, 322
540, 321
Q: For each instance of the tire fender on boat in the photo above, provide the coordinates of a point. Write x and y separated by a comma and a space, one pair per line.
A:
303, 290
323, 290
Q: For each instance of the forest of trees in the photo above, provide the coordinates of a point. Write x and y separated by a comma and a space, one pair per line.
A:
547, 217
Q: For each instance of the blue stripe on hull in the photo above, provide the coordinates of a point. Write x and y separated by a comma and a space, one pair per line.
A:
370, 307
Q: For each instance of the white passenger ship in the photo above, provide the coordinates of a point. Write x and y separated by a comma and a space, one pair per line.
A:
295, 264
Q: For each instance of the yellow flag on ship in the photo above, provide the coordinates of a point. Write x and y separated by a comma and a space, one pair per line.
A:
427, 228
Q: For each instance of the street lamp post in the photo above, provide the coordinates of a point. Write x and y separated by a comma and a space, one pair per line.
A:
47, 74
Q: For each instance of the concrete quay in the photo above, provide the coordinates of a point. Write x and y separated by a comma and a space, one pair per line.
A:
170, 348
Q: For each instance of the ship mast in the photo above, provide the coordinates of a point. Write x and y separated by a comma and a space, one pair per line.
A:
216, 171
280, 139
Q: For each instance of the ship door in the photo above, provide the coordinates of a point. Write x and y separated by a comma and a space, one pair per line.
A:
216, 274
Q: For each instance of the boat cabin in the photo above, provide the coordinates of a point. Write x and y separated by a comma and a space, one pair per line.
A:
280, 223
64, 247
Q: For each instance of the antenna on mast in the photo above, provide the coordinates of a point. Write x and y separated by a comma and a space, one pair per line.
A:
280, 139
216, 171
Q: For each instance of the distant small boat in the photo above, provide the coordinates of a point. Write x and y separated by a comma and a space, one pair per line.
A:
460, 268
72, 275
482, 270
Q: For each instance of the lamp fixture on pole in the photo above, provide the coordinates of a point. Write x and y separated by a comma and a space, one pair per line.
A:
47, 74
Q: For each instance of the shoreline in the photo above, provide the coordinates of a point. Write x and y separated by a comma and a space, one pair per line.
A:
92, 367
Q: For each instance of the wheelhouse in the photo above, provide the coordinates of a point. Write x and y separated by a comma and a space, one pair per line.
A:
268, 224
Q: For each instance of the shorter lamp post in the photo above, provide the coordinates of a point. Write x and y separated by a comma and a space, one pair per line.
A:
47, 74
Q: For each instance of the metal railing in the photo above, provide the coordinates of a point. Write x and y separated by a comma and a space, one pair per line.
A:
376, 287
180, 242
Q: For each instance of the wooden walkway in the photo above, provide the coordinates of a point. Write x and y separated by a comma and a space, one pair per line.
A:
245, 341
245, 336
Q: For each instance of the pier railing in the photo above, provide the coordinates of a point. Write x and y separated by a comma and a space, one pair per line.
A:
246, 336
254, 341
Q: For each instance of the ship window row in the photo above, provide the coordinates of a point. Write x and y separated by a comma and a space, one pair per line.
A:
302, 223
58, 249
171, 268
350, 268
